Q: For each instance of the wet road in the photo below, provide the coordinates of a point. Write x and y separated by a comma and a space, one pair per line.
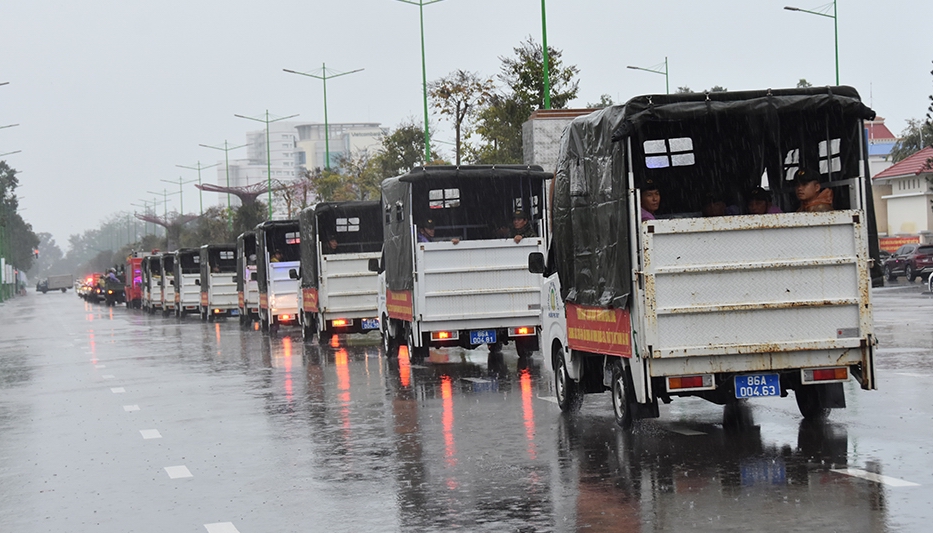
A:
114, 420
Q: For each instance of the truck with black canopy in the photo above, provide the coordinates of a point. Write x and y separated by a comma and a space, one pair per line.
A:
217, 270
453, 272
653, 301
338, 291
277, 253
246, 285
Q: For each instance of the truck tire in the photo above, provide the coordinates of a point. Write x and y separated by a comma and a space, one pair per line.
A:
390, 343
64, 289
623, 395
808, 402
264, 321
524, 347
417, 353
569, 395
308, 327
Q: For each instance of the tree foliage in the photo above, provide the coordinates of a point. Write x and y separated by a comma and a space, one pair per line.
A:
458, 96
18, 239
401, 150
604, 101
211, 227
916, 136
803, 83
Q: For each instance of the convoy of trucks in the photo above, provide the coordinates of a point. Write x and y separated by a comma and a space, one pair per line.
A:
614, 265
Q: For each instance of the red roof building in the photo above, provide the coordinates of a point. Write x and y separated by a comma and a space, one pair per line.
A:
919, 163
904, 190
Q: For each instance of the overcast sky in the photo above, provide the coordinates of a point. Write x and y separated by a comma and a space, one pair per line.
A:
110, 95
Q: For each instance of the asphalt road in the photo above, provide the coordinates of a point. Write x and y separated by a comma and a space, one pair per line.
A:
112, 420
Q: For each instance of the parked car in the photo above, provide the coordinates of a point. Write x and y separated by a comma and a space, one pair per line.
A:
910, 260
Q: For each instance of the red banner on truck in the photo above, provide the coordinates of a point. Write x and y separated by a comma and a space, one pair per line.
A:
309, 300
399, 305
598, 330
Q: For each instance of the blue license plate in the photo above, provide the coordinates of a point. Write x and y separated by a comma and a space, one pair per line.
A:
369, 323
483, 336
234, 312
757, 385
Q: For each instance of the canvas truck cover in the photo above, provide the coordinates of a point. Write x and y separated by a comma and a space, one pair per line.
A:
187, 261
212, 258
357, 226
245, 245
480, 186
271, 237
732, 140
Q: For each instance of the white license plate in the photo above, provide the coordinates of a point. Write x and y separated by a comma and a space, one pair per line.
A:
757, 385
483, 336
369, 323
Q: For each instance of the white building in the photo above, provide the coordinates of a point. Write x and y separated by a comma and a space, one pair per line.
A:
345, 139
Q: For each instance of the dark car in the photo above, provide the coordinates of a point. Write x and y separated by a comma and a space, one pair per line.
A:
910, 260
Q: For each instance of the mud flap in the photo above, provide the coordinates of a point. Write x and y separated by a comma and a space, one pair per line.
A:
830, 395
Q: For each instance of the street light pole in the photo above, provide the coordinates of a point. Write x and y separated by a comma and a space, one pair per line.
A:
835, 25
164, 194
544, 55
424, 75
226, 149
181, 195
268, 121
199, 168
324, 77
656, 69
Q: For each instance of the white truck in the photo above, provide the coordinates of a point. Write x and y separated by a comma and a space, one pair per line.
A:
277, 253
152, 283
652, 307
57, 282
187, 280
167, 285
452, 274
338, 291
246, 285
218, 278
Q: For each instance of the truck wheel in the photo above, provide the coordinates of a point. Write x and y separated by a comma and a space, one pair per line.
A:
64, 289
808, 402
417, 353
390, 343
524, 347
308, 328
569, 396
264, 322
323, 338
622, 395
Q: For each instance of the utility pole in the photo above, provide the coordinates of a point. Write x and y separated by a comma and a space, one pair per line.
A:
199, 168
226, 149
268, 121
181, 194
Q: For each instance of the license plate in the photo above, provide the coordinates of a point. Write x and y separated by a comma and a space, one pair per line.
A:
234, 312
756, 385
483, 336
369, 323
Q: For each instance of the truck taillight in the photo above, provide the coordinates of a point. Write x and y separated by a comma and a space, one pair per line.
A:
445, 335
285, 318
341, 322
684, 383
822, 375
523, 331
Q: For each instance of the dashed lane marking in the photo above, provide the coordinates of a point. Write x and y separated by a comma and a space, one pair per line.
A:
178, 472
150, 434
477, 380
877, 478
130, 408
221, 527
118, 390
910, 374
552, 399
685, 431
108, 376
100, 366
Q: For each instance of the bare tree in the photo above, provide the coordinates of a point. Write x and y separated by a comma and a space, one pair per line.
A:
458, 96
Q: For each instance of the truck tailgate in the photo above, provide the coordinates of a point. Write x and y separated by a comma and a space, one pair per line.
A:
347, 287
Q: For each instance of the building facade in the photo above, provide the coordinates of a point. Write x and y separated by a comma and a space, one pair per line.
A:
907, 194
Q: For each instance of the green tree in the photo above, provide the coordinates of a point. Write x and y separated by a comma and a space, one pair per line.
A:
803, 83
683, 90
19, 240
717, 89
917, 135
361, 176
248, 216
604, 101
209, 228
458, 96
401, 150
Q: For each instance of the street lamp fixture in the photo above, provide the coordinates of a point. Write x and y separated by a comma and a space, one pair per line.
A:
823, 11
268, 121
199, 168
657, 70
10, 153
324, 77
424, 75
164, 194
181, 195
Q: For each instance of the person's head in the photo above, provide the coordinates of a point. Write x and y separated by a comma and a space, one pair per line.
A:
759, 201
714, 205
806, 184
519, 219
650, 196
428, 228
332, 243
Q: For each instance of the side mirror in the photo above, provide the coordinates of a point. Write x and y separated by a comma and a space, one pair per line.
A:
374, 265
197, 281
253, 276
536, 263
293, 273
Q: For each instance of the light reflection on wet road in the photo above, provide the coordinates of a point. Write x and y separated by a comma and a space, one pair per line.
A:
218, 428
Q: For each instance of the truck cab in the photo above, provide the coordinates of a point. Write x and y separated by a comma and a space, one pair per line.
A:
723, 304
338, 291
452, 271
277, 253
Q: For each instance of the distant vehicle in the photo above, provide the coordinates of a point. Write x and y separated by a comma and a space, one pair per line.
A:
911, 261
451, 272
133, 284
87, 285
59, 282
187, 280
277, 253
167, 294
218, 281
112, 291
152, 283
338, 291
247, 285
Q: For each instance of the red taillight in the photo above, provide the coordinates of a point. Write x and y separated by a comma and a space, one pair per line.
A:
445, 335
830, 374
688, 382
340, 322
285, 317
521, 331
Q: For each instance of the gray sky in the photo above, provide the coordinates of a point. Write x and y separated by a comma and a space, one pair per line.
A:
110, 95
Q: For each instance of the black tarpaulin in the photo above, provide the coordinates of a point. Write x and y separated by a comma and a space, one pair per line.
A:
245, 247
356, 225
271, 237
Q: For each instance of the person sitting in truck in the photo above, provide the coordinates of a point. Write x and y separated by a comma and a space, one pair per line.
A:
276, 257
330, 245
813, 198
426, 231
759, 202
112, 276
520, 226
650, 199
714, 205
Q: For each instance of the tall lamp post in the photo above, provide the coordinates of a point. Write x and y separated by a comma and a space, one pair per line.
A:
181, 194
544, 57
164, 194
199, 168
226, 149
424, 74
324, 77
657, 70
268, 121
824, 12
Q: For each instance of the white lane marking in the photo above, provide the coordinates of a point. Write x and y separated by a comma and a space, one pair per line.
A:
685, 431
150, 433
910, 374
877, 478
118, 390
108, 376
477, 380
221, 527
129, 408
100, 366
177, 472
552, 399
417, 366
